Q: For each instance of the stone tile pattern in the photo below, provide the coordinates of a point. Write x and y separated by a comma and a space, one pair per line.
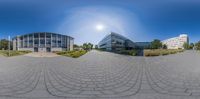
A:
101, 75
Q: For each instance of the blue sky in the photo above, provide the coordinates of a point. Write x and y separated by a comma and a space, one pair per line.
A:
139, 20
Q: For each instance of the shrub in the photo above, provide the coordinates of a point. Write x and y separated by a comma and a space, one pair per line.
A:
151, 53
74, 54
13, 53
129, 52
158, 52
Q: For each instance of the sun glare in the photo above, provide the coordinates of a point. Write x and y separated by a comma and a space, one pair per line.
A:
99, 27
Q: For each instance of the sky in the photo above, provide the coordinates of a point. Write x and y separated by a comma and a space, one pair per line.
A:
91, 20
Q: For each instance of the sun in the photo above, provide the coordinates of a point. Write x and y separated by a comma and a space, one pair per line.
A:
99, 27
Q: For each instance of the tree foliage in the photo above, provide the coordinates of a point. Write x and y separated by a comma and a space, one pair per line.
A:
164, 46
4, 44
96, 47
156, 44
186, 45
197, 45
87, 46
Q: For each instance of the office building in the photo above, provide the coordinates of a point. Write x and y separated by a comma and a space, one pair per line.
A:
176, 42
117, 42
43, 42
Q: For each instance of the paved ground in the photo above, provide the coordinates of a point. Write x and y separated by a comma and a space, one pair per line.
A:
101, 75
41, 54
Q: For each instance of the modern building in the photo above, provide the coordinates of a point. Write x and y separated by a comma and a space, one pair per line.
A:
117, 42
143, 45
43, 42
176, 42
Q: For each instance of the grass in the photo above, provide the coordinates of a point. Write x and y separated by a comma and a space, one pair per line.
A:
159, 52
13, 53
73, 54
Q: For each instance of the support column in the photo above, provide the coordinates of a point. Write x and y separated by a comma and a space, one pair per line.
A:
51, 40
57, 40
33, 40
61, 38
23, 41
45, 39
39, 40
28, 41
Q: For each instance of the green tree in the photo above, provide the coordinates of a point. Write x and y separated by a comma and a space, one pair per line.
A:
90, 45
191, 46
197, 45
164, 46
156, 44
76, 47
186, 45
87, 46
4, 44
96, 47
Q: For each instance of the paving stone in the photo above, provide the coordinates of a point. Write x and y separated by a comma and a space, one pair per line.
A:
101, 75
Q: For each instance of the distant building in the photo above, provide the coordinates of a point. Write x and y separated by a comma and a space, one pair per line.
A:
117, 42
43, 42
143, 45
176, 42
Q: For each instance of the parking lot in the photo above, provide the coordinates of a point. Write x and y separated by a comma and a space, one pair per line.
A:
101, 75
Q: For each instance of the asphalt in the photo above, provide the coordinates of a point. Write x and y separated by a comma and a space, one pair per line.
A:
101, 75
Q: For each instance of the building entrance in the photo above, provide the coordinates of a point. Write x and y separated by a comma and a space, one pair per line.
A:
48, 49
35, 49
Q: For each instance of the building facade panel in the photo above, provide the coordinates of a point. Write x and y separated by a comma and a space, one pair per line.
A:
43, 42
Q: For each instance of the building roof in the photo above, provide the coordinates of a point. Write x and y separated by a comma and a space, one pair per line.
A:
41, 32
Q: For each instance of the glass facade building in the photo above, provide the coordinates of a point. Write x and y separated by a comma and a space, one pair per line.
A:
43, 42
115, 42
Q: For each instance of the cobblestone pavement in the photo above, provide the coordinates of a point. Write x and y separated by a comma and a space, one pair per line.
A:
41, 54
101, 75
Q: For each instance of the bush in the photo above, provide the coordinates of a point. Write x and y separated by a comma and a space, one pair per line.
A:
74, 54
129, 52
158, 52
13, 53
151, 53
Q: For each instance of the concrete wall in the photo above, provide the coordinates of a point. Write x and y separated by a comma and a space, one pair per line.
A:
14, 44
71, 44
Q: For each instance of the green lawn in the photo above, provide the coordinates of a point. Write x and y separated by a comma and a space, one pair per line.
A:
158, 52
13, 53
74, 54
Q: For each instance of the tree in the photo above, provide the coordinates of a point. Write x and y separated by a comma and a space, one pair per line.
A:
4, 44
90, 45
156, 44
96, 47
197, 45
76, 47
87, 46
191, 46
186, 45
164, 46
